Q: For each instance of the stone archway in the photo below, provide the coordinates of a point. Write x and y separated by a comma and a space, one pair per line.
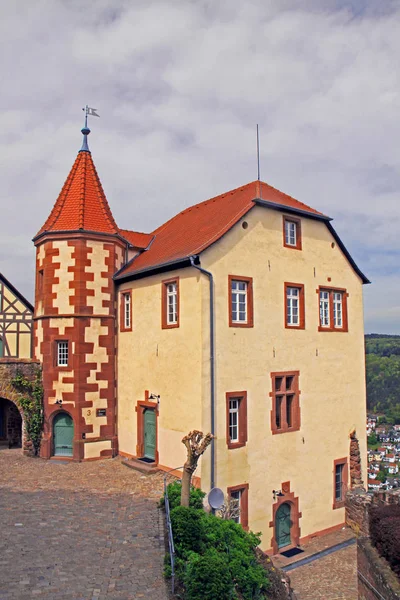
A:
11, 424
9, 398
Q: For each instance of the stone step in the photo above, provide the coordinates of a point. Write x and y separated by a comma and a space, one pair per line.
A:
139, 465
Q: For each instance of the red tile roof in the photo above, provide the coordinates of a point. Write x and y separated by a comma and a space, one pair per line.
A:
136, 238
82, 203
196, 228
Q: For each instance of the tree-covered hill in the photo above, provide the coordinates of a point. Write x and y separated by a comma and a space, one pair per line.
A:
383, 374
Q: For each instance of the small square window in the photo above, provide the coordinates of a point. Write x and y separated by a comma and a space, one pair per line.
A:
294, 306
332, 310
170, 304
240, 301
340, 482
236, 419
62, 354
239, 497
285, 413
292, 232
101, 412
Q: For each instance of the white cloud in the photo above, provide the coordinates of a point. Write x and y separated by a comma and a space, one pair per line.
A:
180, 86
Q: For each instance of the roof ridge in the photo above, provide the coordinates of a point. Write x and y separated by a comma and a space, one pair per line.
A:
62, 196
203, 202
103, 200
263, 183
83, 190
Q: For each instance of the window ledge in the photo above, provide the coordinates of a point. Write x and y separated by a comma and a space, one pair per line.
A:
233, 445
285, 430
337, 329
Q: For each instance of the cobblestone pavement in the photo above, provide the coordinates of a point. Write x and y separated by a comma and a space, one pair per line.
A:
82, 531
333, 577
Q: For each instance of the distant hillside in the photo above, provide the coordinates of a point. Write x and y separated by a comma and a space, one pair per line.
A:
383, 374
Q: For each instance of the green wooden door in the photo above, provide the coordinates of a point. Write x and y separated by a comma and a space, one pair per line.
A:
282, 524
63, 434
149, 433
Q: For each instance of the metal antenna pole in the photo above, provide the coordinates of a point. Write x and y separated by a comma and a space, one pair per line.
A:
258, 155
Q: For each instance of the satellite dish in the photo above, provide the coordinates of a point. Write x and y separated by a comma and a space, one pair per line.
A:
216, 498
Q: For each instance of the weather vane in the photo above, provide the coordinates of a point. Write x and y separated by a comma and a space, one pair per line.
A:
92, 112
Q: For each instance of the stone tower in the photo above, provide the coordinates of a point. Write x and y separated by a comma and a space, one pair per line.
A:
78, 250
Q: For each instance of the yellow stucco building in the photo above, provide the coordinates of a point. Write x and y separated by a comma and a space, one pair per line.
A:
242, 316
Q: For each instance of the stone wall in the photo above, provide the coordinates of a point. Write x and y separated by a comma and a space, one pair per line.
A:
376, 580
9, 367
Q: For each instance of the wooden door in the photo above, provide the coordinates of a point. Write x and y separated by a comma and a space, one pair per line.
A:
282, 525
149, 433
63, 434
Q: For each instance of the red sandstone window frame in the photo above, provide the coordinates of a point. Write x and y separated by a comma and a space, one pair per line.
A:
165, 324
301, 306
249, 322
243, 488
297, 223
242, 419
56, 353
285, 385
123, 323
344, 483
332, 327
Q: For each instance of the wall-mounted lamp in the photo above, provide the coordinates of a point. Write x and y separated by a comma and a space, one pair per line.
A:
277, 494
59, 401
155, 397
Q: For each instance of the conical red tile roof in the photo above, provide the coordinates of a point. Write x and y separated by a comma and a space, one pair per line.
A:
82, 203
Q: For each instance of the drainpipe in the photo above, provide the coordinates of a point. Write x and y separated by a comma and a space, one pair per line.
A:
212, 363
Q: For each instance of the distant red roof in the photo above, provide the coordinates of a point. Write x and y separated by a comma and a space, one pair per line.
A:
196, 228
82, 203
136, 238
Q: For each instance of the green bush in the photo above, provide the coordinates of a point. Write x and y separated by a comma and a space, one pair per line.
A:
188, 530
205, 546
207, 577
174, 495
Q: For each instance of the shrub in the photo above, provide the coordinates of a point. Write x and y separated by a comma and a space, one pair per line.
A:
188, 529
208, 577
384, 527
174, 495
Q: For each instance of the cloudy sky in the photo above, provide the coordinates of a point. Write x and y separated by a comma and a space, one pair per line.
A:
180, 86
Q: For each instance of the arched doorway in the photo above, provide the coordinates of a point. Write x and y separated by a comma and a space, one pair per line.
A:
283, 525
10, 424
63, 434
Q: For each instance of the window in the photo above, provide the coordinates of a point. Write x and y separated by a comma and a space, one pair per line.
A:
340, 475
240, 301
62, 354
170, 303
126, 311
292, 233
236, 419
240, 495
235, 497
332, 309
285, 413
294, 306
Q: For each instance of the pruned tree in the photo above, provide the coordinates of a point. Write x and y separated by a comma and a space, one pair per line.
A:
196, 445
